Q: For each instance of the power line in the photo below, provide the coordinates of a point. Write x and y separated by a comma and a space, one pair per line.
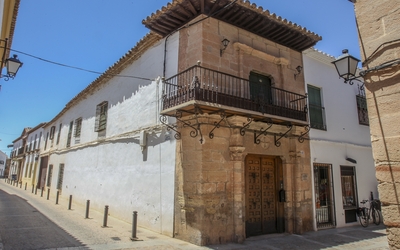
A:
7, 134
78, 68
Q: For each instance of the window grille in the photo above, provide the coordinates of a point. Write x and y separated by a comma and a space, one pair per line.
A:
60, 176
52, 130
101, 117
362, 110
59, 133
78, 127
50, 175
71, 124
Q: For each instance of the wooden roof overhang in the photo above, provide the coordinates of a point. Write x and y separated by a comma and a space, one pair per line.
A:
242, 14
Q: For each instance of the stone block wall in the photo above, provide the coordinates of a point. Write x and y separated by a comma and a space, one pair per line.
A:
210, 204
379, 28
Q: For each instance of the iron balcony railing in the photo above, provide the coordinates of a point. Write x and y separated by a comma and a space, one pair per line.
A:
202, 84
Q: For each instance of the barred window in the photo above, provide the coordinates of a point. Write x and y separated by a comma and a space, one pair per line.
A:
52, 130
362, 110
50, 175
71, 124
101, 117
59, 133
60, 176
78, 127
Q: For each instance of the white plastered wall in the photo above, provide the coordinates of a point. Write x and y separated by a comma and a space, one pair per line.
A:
114, 171
3, 158
344, 137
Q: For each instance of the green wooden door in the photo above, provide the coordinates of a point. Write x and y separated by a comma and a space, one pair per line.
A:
260, 88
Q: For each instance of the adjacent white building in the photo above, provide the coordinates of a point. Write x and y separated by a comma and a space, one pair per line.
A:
341, 153
3, 160
29, 174
108, 146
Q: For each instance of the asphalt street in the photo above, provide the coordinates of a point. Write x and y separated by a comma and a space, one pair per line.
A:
29, 221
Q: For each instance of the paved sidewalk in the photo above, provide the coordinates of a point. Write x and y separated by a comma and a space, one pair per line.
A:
90, 231
117, 235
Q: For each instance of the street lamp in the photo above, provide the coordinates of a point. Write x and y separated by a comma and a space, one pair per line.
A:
12, 64
346, 66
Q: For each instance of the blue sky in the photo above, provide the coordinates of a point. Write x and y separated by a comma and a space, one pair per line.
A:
94, 34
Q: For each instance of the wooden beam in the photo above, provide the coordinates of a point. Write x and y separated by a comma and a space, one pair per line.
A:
191, 7
177, 16
172, 19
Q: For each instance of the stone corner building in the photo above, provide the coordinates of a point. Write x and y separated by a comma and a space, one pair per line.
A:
379, 29
240, 113
215, 151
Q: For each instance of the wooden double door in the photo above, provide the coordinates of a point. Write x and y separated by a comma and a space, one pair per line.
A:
265, 195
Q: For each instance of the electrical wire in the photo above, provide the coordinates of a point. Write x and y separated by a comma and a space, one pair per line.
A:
78, 68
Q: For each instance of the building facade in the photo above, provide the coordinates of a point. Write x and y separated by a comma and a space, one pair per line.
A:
341, 152
3, 162
18, 156
219, 139
29, 172
378, 27
208, 137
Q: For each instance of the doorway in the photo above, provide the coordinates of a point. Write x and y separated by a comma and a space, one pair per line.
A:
260, 88
324, 202
264, 205
42, 172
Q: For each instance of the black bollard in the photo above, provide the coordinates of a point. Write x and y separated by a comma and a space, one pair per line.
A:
20, 184
26, 184
105, 216
48, 193
58, 193
36, 190
70, 202
33, 187
134, 226
87, 209
41, 192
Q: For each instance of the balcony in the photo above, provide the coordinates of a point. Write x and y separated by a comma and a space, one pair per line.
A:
213, 90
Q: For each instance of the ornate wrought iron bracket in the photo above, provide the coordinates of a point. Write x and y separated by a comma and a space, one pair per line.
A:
163, 120
217, 124
277, 141
301, 137
194, 132
262, 131
245, 126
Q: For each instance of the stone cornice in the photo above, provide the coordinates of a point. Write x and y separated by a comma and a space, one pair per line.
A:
259, 54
